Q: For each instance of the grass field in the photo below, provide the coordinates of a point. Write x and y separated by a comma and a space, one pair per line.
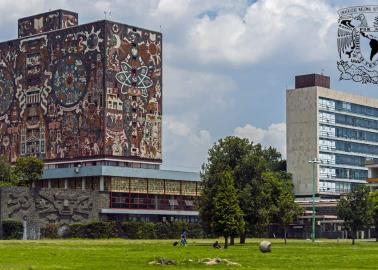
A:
136, 254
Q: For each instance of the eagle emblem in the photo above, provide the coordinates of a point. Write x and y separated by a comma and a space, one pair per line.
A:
357, 44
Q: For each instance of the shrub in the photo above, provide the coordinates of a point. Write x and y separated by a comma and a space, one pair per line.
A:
50, 231
12, 229
164, 230
76, 230
130, 229
93, 230
195, 230
146, 231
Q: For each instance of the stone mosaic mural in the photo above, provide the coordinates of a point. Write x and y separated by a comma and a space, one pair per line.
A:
44, 206
93, 90
134, 96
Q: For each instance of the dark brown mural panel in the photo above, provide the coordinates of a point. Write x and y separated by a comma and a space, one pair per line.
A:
133, 92
45, 22
51, 94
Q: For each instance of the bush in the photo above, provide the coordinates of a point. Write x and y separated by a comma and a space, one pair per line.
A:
76, 230
12, 229
129, 229
195, 230
146, 231
93, 230
50, 231
164, 231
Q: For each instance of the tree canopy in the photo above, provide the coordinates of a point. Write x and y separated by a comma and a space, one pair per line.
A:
28, 169
355, 209
259, 178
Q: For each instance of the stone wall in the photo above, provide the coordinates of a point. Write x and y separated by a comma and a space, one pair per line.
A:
41, 206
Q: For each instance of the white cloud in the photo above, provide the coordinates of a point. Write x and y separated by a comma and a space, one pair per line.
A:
267, 29
274, 135
176, 127
185, 144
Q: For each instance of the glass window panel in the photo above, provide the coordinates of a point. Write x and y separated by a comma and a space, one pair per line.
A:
119, 184
172, 187
155, 186
189, 188
138, 185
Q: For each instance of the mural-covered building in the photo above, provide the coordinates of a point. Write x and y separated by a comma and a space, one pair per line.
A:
87, 99
79, 92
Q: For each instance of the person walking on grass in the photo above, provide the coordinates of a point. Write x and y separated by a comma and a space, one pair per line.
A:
183, 238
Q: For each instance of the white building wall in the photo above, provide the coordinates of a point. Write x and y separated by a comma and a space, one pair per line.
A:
302, 137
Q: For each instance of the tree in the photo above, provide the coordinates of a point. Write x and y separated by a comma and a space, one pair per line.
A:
28, 169
228, 217
355, 209
373, 196
5, 170
287, 211
247, 163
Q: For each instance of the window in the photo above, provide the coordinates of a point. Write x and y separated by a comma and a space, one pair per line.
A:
120, 184
138, 185
172, 187
155, 186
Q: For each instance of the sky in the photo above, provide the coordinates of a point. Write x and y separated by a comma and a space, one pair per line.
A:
226, 64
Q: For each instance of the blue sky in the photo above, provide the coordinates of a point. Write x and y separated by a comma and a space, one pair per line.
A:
226, 63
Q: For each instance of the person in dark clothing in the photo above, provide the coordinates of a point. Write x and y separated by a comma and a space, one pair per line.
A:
216, 245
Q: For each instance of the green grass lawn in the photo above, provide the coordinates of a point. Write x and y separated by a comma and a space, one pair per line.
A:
135, 254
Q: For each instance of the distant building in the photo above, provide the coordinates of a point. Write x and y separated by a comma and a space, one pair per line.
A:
372, 180
337, 128
87, 99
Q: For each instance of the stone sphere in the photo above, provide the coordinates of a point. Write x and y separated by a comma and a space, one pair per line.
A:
265, 246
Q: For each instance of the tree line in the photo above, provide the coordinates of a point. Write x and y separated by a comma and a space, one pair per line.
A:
246, 187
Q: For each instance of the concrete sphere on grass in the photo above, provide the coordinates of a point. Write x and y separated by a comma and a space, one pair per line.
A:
265, 246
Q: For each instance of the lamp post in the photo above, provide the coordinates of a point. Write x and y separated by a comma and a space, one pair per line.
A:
314, 162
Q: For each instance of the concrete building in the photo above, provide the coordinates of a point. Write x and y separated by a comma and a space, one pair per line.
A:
372, 180
87, 100
337, 128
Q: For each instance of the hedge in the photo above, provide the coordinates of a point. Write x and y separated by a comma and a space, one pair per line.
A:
12, 229
130, 230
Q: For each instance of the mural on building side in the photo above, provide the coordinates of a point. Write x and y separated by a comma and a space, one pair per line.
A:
82, 91
134, 100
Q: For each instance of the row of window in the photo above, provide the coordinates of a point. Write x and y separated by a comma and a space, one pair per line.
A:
357, 147
356, 121
343, 173
354, 134
341, 159
334, 187
347, 107
148, 201
350, 160
154, 186
335, 118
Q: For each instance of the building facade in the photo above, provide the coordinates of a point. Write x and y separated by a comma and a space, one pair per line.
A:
87, 100
78, 92
339, 129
